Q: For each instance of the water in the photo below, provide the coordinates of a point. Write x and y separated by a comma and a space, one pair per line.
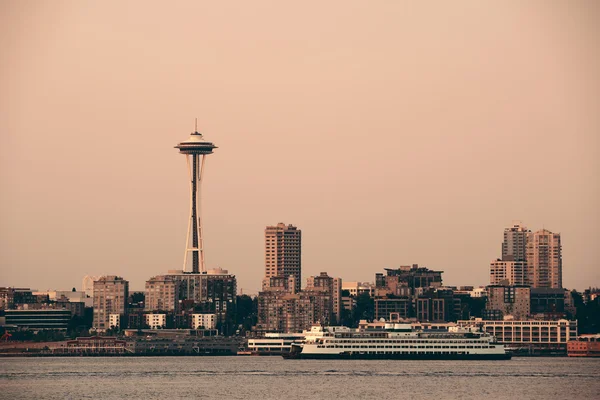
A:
275, 378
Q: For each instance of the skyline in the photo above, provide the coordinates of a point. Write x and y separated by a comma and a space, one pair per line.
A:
398, 135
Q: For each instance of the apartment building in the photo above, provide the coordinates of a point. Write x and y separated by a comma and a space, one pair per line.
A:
110, 297
283, 252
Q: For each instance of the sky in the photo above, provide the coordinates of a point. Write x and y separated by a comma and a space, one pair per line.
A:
390, 132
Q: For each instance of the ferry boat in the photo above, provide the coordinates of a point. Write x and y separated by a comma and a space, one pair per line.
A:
273, 344
398, 341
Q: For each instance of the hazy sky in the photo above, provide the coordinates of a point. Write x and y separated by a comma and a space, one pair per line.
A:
390, 132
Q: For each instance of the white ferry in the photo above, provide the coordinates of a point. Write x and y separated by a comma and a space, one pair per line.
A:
273, 343
398, 341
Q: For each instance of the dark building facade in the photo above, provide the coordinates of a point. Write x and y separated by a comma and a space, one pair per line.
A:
412, 277
548, 301
386, 306
39, 319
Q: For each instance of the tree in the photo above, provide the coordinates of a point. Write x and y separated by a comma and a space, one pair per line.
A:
346, 318
365, 308
587, 314
137, 297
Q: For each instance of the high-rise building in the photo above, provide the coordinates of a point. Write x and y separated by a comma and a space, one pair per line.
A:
213, 291
331, 286
283, 252
290, 313
508, 273
544, 259
514, 246
195, 150
162, 294
87, 284
511, 268
110, 297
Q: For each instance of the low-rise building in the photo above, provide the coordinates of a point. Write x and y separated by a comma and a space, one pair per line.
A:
386, 306
348, 302
550, 301
204, 321
156, 321
39, 319
529, 336
10, 297
67, 296
584, 346
509, 300
358, 288
478, 292
114, 321
97, 345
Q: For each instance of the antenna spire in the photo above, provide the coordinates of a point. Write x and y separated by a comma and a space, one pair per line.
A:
196, 126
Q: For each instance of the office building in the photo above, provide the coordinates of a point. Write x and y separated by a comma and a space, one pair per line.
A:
38, 319
283, 252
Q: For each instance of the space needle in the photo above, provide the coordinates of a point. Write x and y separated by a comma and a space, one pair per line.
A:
195, 149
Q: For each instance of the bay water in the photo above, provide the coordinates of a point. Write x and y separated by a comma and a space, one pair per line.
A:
254, 377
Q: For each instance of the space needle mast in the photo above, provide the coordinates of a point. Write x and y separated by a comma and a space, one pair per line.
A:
195, 149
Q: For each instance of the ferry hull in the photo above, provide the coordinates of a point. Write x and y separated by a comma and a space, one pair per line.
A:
358, 356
